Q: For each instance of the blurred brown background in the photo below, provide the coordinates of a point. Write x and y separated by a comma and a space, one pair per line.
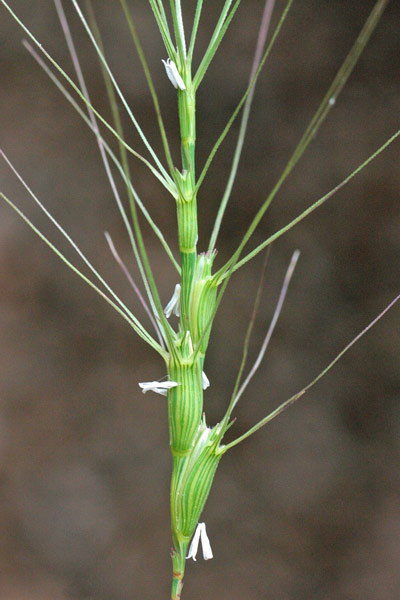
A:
309, 507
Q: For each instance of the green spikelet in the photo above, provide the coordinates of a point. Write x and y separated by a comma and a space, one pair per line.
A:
202, 300
192, 478
191, 481
185, 403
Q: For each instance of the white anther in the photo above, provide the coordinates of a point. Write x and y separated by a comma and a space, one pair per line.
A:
188, 339
173, 74
159, 387
200, 534
205, 381
174, 305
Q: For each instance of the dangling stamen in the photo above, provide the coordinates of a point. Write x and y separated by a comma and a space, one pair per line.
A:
174, 305
200, 534
205, 543
159, 387
173, 74
205, 381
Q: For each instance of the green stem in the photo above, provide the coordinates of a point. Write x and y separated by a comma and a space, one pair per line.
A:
186, 203
187, 231
187, 119
178, 569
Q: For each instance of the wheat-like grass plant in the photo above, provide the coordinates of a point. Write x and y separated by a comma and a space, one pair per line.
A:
196, 446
